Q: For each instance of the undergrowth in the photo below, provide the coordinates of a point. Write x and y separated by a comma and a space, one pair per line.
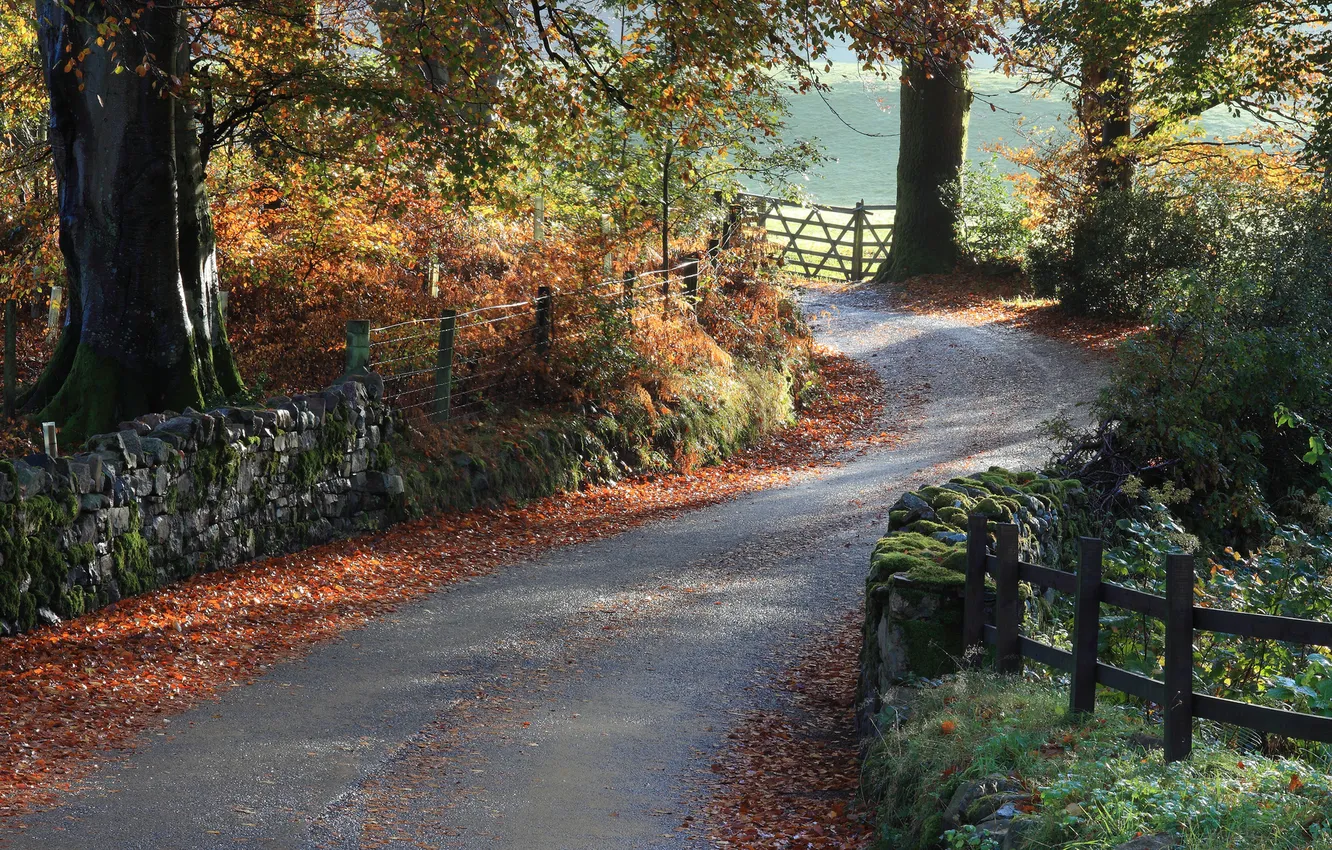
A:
1088, 783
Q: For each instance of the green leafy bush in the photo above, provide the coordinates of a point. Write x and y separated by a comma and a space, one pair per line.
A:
1233, 341
1110, 257
990, 222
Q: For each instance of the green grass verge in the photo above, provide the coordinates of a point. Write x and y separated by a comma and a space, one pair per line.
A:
1092, 786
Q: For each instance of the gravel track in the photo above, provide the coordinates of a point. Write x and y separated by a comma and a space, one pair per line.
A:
576, 701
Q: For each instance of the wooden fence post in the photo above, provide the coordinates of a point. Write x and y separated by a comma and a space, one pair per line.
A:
53, 314
714, 248
628, 298
973, 602
358, 346
11, 355
691, 280
444, 365
1178, 672
1007, 614
731, 226
858, 242
1086, 626
544, 320
539, 219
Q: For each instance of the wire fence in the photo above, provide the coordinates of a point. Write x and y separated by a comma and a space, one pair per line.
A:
463, 364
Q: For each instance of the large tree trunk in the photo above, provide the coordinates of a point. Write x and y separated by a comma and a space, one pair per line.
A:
936, 105
141, 331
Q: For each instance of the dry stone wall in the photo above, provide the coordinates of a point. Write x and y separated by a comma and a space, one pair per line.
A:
168, 496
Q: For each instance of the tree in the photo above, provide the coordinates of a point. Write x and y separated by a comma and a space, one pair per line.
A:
928, 44
140, 96
142, 329
936, 104
1140, 73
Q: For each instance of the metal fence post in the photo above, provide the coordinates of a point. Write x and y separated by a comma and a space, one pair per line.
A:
358, 346
973, 602
444, 365
691, 280
544, 320
1086, 626
11, 355
858, 242
1178, 674
1007, 614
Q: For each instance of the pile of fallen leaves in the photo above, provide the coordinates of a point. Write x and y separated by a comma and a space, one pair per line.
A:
790, 778
69, 694
981, 300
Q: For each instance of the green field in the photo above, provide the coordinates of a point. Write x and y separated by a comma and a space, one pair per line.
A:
863, 155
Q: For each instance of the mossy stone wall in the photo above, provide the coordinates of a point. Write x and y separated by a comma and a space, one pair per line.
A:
170, 495
913, 594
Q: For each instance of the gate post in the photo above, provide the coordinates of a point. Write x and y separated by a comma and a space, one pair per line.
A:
1086, 626
858, 242
545, 320
358, 346
1007, 610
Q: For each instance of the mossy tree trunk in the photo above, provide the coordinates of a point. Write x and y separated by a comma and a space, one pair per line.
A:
141, 330
935, 109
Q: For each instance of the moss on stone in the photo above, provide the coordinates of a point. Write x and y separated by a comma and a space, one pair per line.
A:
932, 645
956, 517
327, 454
935, 574
925, 526
996, 507
131, 565
897, 519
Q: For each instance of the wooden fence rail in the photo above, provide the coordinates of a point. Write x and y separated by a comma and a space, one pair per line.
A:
819, 240
1174, 691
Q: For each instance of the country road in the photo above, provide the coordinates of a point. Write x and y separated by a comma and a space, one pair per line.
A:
575, 701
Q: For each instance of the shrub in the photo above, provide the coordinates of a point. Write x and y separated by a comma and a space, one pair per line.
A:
1232, 340
1109, 257
990, 222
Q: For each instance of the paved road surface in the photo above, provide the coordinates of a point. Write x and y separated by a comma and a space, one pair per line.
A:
570, 702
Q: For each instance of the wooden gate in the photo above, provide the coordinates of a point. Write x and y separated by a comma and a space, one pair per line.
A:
819, 240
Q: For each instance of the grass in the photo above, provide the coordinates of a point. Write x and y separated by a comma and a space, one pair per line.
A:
1089, 784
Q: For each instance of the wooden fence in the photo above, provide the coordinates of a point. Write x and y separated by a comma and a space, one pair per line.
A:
825, 241
1174, 692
